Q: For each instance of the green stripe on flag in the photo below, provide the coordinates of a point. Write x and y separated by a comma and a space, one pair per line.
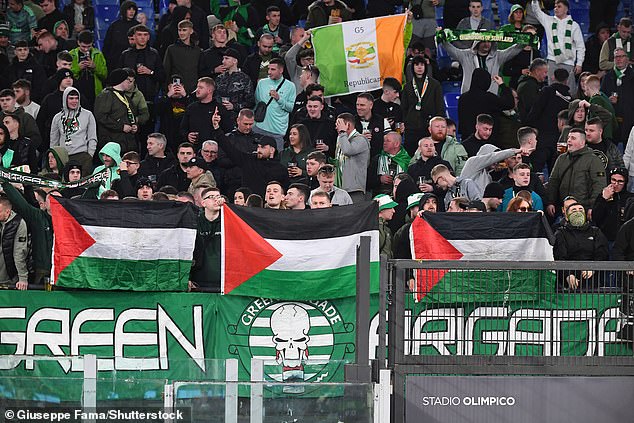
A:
138, 275
330, 56
491, 286
307, 285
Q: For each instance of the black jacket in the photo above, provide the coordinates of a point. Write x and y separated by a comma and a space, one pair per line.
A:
32, 71
376, 126
24, 153
479, 100
174, 176
149, 85
586, 243
116, 40
256, 173
623, 248
152, 167
252, 66
624, 107
197, 118
88, 17
543, 114
322, 129
609, 216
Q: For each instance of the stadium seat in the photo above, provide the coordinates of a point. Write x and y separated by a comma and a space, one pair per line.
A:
451, 100
102, 24
163, 7
450, 87
504, 8
107, 11
106, 3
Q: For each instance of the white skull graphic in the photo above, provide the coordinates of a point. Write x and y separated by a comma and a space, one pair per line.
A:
290, 325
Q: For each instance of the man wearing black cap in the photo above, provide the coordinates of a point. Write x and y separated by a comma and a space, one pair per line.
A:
258, 170
234, 87
197, 173
608, 212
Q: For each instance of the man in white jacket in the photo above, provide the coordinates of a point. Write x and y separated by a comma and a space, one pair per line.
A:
566, 48
75, 129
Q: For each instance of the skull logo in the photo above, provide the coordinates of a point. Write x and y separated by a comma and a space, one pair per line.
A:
290, 324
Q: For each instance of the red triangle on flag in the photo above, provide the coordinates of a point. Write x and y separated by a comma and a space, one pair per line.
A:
71, 239
428, 244
245, 252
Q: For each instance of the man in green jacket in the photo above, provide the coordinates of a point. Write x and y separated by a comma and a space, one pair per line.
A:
89, 68
40, 225
578, 173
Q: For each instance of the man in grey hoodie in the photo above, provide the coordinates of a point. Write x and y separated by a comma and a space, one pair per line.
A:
483, 54
477, 167
75, 129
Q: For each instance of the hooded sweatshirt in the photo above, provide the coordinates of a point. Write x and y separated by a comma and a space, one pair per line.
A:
113, 150
61, 157
477, 167
76, 130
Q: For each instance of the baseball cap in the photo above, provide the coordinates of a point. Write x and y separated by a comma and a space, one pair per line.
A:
264, 140
195, 161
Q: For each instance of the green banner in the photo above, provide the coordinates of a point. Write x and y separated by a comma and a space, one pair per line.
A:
167, 337
451, 35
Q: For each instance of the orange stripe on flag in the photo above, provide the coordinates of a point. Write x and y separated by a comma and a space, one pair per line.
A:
389, 37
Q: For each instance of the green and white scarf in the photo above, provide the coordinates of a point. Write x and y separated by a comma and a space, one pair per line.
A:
619, 75
561, 56
385, 159
619, 43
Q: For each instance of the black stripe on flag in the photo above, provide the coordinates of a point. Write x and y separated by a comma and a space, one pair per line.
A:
311, 224
132, 214
472, 226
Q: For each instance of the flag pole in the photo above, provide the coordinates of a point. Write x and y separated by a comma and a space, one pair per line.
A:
361, 371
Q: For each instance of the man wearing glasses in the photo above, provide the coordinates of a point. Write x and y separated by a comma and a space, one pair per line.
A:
205, 273
609, 207
326, 179
128, 174
454, 187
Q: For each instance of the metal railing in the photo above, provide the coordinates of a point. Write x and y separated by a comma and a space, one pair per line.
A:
507, 318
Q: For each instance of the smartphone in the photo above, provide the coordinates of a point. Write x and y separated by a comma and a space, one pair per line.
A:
176, 81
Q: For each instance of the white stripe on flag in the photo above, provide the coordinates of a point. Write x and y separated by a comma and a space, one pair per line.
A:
360, 37
141, 243
516, 249
323, 340
321, 254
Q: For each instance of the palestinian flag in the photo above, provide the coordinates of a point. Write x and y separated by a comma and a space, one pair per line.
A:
484, 237
130, 245
357, 55
296, 255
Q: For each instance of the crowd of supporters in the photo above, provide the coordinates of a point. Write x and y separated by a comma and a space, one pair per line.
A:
221, 101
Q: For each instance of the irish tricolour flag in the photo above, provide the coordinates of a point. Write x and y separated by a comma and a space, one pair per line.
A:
481, 237
131, 245
358, 55
296, 255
